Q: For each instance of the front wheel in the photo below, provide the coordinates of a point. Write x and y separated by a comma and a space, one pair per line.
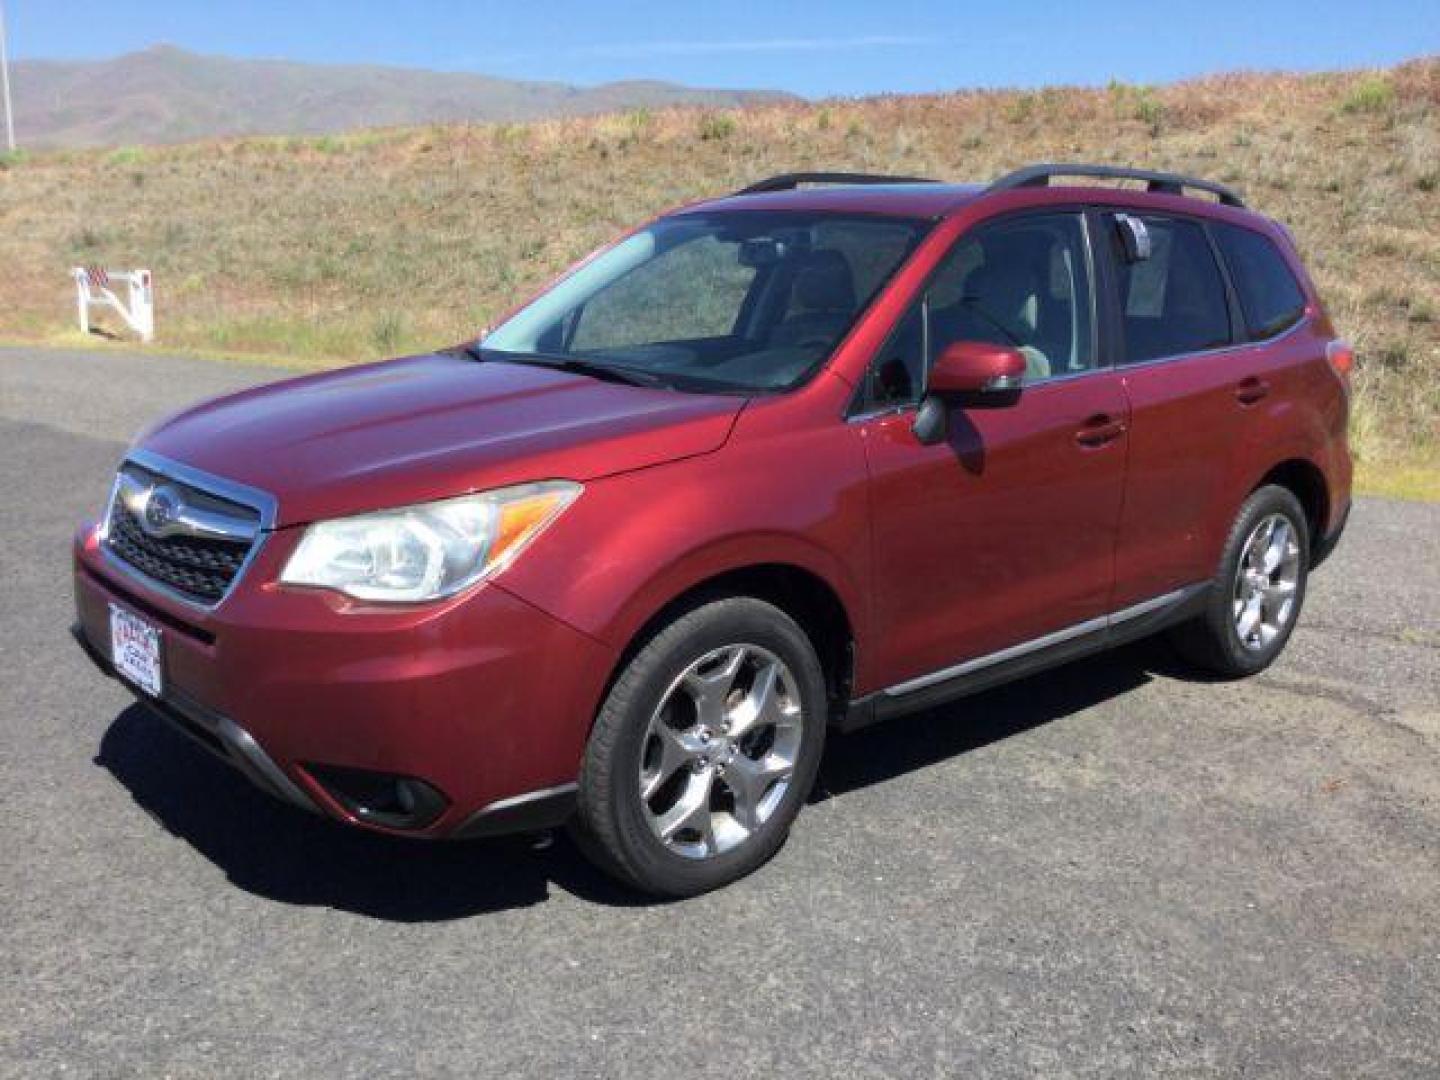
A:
704, 751
1258, 589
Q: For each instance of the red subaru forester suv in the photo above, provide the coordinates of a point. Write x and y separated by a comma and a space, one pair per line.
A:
823, 451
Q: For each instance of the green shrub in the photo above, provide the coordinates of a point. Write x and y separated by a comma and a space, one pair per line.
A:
1149, 111
506, 134
89, 239
1372, 94
1137, 103
716, 127
388, 332
1022, 108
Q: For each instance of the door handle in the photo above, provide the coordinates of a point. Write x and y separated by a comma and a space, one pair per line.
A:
1251, 390
1099, 430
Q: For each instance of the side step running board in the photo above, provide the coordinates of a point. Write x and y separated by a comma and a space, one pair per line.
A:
1028, 657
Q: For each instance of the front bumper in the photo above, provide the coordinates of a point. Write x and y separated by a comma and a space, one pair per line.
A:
484, 698
218, 734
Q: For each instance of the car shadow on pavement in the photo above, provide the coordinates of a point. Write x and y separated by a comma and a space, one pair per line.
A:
273, 850
903, 745
279, 852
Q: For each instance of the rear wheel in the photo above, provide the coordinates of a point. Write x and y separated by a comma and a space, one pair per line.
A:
704, 751
1258, 589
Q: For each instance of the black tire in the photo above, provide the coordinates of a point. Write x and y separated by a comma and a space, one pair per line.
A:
611, 824
1212, 641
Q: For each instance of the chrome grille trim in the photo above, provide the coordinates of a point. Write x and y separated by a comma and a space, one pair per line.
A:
207, 521
193, 521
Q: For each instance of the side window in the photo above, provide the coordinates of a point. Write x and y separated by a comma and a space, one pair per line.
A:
1023, 282
897, 374
1173, 302
1269, 294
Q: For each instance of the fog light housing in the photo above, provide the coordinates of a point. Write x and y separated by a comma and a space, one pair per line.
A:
377, 798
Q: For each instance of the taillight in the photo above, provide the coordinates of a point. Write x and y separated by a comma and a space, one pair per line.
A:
1341, 355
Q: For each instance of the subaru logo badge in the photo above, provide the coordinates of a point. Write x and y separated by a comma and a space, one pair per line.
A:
162, 510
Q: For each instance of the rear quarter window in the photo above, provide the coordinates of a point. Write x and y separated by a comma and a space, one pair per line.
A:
1270, 297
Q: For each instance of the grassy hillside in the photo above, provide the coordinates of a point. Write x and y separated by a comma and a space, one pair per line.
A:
164, 95
338, 249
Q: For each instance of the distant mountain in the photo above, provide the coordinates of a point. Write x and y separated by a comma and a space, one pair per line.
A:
164, 94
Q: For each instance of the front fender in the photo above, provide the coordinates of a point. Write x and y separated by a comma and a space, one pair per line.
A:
631, 544
725, 555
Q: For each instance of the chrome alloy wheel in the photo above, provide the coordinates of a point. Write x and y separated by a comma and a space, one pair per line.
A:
1266, 581
720, 750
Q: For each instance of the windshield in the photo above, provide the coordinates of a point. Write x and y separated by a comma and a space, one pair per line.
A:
747, 301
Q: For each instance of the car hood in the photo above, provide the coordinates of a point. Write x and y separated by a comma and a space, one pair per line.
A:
427, 427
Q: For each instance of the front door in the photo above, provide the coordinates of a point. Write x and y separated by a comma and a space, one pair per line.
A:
1005, 531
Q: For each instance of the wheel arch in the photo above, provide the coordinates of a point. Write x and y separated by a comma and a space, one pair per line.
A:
803, 594
1305, 480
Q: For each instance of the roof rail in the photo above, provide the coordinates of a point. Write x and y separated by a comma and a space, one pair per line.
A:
790, 181
1161, 182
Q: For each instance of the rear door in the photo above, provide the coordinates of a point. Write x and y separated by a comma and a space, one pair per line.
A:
1004, 531
1189, 380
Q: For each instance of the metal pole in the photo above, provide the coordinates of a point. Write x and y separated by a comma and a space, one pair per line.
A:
5, 83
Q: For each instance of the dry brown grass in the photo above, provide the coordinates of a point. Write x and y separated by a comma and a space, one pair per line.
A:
342, 248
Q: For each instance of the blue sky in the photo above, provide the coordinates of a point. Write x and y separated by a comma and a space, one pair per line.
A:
816, 49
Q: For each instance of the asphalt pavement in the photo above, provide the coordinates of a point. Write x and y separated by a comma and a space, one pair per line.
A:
1112, 870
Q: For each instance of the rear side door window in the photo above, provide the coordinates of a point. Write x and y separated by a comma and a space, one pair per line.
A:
1270, 297
1173, 302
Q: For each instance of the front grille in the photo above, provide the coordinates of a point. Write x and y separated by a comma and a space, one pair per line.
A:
201, 567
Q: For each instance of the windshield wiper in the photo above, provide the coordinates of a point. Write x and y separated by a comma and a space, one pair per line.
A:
466, 350
580, 366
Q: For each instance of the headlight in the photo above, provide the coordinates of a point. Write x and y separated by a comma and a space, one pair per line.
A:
427, 551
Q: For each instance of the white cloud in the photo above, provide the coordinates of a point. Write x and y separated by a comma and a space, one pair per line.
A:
640, 49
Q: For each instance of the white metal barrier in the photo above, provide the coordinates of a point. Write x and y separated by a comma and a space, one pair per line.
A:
92, 286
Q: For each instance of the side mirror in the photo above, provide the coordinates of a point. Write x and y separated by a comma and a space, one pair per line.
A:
976, 372
977, 367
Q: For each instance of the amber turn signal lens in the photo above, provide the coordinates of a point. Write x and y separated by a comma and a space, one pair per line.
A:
522, 519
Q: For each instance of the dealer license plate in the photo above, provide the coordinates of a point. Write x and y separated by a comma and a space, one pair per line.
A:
135, 649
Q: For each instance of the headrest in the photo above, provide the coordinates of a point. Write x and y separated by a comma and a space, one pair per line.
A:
1007, 290
824, 283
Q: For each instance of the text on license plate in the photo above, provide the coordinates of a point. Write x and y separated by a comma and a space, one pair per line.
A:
135, 649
